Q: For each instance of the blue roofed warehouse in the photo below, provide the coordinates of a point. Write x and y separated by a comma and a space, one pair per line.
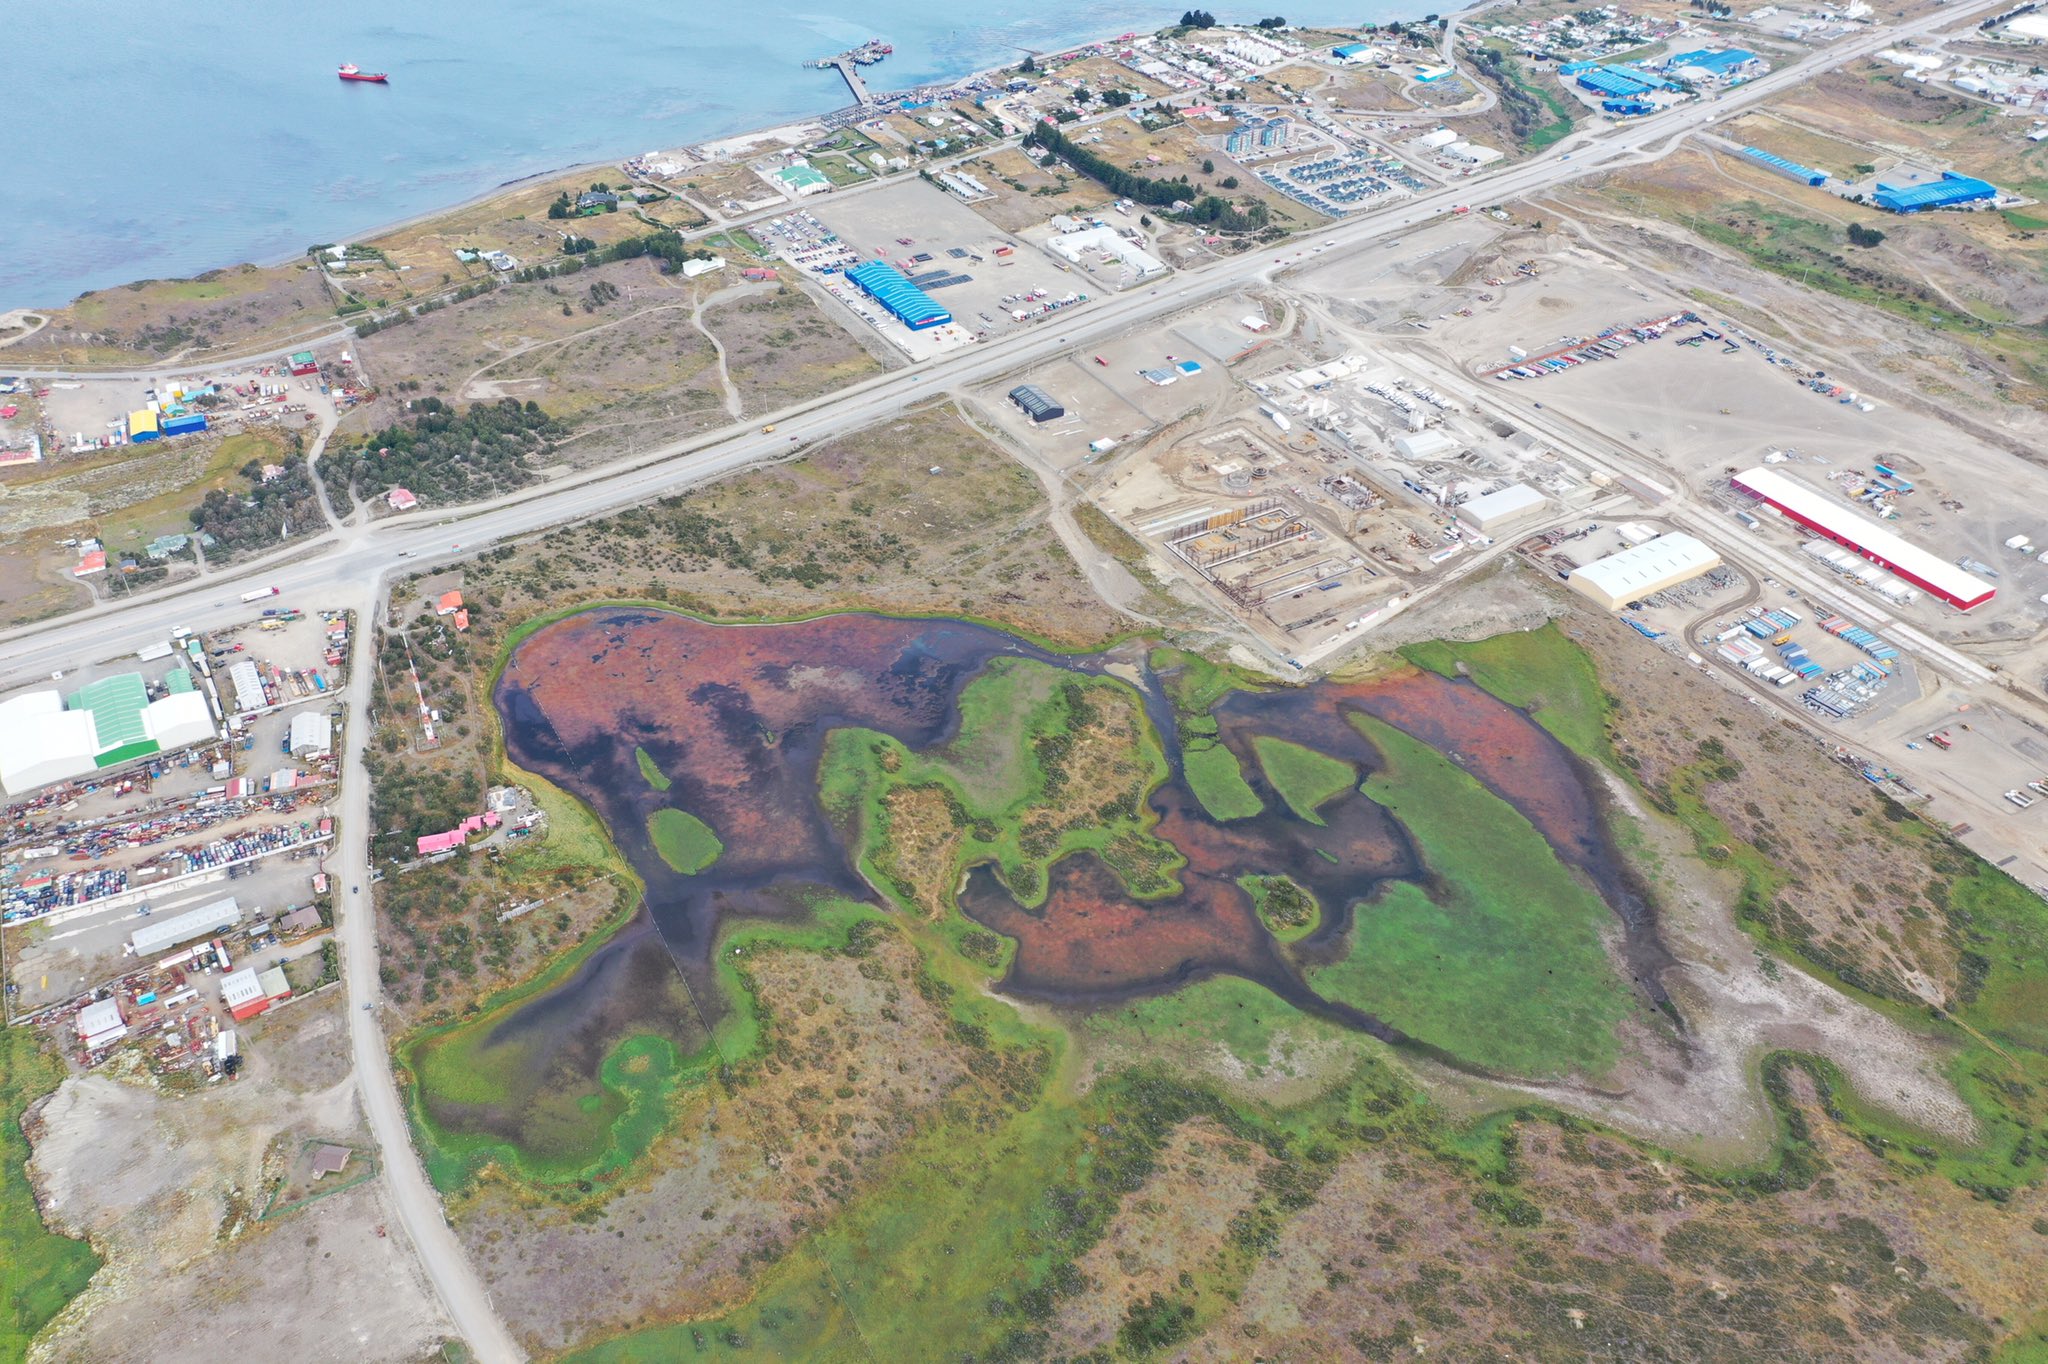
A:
1952, 189
910, 305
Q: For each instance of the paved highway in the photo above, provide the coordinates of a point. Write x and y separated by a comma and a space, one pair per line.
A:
350, 556
349, 565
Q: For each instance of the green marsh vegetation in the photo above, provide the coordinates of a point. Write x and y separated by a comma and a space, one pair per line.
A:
684, 841
970, 1232
1304, 778
40, 1271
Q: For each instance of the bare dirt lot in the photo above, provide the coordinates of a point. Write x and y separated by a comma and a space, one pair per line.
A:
187, 1258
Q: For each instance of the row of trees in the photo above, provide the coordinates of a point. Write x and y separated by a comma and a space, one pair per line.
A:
1114, 178
1208, 210
445, 456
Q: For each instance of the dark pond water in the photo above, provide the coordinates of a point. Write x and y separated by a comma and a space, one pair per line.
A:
737, 716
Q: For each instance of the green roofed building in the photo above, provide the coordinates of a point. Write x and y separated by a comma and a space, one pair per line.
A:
116, 704
802, 179
46, 737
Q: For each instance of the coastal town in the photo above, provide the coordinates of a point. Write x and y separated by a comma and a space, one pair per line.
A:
1257, 690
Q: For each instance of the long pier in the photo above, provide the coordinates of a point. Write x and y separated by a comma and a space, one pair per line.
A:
853, 80
848, 64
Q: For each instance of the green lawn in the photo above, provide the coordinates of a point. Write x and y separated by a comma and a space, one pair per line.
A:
684, 841
1218, 782
1501, 963
651, 770
1304, 778
40, 1271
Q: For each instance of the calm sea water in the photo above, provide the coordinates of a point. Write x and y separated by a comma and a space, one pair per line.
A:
151, 139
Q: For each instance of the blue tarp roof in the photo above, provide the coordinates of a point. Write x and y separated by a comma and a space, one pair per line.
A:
1791, 168
1950, 189
889, 288
1712, 61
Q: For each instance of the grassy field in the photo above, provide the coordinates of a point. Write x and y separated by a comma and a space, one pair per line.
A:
40, 1271
650, 770
1217, 781
684, 841
1304, 778
1540, 671
1499, 962
2001, 1060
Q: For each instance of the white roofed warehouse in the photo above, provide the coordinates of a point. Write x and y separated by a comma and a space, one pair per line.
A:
157, 935
46, 737
1494, 512
1811, 509
1644, 570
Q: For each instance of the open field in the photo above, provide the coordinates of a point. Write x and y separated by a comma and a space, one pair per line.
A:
1501, 961
160, 320
972, 537
1969, 284
1303, 777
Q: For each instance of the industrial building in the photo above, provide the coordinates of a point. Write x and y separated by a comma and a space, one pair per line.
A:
1701, 64
904, 301
100, 1024
203, 922
1037, 403
312, 734
46, 737
1107, 241
1644, 570
142, 426
1619, 81
1425, 445
1494, 512
1951, 191
1806, 175
1882, 547
243, 994
248, 685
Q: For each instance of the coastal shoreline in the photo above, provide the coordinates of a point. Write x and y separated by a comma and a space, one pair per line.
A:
385, 228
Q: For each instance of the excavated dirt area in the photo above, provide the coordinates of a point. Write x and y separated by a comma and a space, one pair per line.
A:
187, 1258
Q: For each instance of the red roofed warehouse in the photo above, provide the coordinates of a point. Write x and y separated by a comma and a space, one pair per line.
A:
1845, 527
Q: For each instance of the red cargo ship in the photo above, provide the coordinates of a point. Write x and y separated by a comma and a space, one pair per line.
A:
349, 73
